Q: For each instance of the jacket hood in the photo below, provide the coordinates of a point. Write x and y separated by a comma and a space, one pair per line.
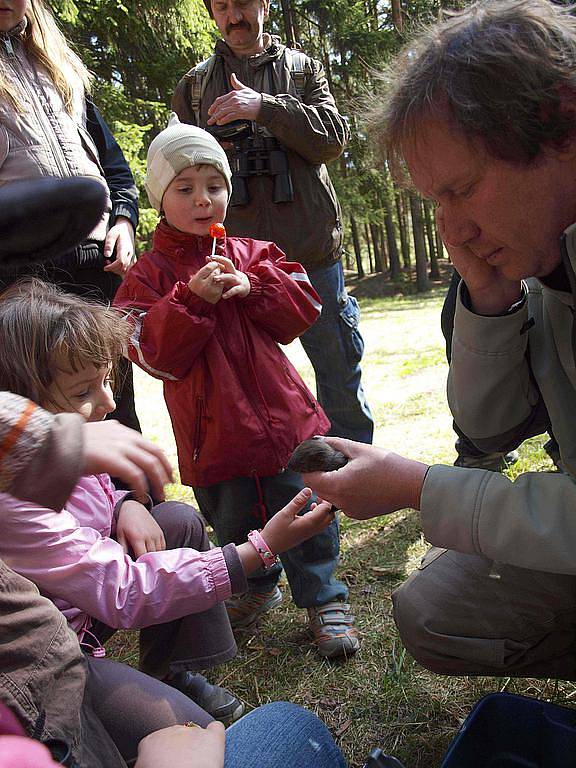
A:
272, 52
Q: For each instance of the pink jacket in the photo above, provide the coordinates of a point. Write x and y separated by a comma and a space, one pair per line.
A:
70, 556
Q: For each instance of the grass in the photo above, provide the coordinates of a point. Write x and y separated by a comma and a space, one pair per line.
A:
380, 697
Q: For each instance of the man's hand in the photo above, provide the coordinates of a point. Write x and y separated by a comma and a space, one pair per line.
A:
204, 283
233, 282
181, 747
119, 244
374, 482
137, 531
242, 103
490, 292
122, 452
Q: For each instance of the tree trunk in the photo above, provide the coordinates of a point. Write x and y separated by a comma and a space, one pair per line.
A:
422, 283
397, 14
430, 235
439, 244
290, 28
403, 230
369, 246
393, 255
383, 248
357, 249
376, 246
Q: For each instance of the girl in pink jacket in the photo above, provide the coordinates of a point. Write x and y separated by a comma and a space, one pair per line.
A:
109, 560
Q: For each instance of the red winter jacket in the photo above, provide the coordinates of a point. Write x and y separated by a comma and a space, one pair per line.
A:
237, 405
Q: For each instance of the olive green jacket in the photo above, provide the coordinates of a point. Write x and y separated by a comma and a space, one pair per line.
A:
311, 130
511, 377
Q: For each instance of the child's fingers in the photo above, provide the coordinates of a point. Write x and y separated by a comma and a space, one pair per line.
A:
227, 280
208, 269
224, 262
297, 504
121, 539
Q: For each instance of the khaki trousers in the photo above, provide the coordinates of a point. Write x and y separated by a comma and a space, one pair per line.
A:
455, 618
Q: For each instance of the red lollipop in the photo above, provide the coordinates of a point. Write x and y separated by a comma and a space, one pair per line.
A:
217, 229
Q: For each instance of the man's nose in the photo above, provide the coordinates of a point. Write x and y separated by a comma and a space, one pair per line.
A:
236, 14
458, 230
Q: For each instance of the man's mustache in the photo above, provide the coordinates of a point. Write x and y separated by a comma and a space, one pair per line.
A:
240, 25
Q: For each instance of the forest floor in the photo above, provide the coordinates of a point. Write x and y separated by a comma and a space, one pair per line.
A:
380, 697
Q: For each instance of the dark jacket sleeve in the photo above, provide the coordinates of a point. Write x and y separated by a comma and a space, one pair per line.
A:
313, 127
117, 172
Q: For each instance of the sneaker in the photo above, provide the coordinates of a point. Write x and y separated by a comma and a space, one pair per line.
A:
333, 628
217, 701
495, 462
243, 610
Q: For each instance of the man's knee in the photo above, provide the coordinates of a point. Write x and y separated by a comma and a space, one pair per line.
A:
414, 619
182, 525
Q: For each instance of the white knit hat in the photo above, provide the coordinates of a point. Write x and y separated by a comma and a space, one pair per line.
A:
177, 147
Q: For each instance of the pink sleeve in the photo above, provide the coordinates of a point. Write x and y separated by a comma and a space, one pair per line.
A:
92, 573
24, 752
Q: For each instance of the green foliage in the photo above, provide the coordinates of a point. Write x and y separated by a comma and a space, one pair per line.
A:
139, 49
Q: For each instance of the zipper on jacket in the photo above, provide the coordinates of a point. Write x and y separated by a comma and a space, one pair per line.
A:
48, 129
303, 389
198, 427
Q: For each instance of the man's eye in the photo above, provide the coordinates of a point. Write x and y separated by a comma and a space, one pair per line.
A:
82, 395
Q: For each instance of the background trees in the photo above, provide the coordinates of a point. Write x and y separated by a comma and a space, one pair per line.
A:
138, 50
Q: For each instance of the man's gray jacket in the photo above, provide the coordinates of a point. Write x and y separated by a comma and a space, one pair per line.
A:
511, 377
311, 130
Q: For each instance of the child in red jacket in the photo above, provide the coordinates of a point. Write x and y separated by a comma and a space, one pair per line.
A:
208, 323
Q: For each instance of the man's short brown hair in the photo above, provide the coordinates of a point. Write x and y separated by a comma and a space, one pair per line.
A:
501, 71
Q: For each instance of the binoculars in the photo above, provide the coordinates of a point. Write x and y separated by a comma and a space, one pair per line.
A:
255, 155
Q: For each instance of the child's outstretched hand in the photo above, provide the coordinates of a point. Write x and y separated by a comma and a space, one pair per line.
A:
233, 282
287, 528
204, 283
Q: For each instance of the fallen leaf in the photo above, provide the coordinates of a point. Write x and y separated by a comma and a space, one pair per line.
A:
343, 727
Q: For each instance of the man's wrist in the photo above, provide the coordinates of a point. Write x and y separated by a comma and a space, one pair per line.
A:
489, 305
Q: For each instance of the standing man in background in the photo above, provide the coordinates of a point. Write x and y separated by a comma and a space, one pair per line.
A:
272, 109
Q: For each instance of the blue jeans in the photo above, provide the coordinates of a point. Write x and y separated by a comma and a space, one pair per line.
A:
281, 735
235, 507
335, 347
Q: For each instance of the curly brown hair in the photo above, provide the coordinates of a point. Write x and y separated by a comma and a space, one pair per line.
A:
500, 71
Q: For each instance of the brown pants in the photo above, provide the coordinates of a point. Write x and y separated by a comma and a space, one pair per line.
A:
455, 619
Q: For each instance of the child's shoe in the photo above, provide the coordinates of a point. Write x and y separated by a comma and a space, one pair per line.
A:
243, 610
217, 701
333, 628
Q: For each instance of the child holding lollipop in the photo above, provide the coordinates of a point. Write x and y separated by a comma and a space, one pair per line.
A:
208, 315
